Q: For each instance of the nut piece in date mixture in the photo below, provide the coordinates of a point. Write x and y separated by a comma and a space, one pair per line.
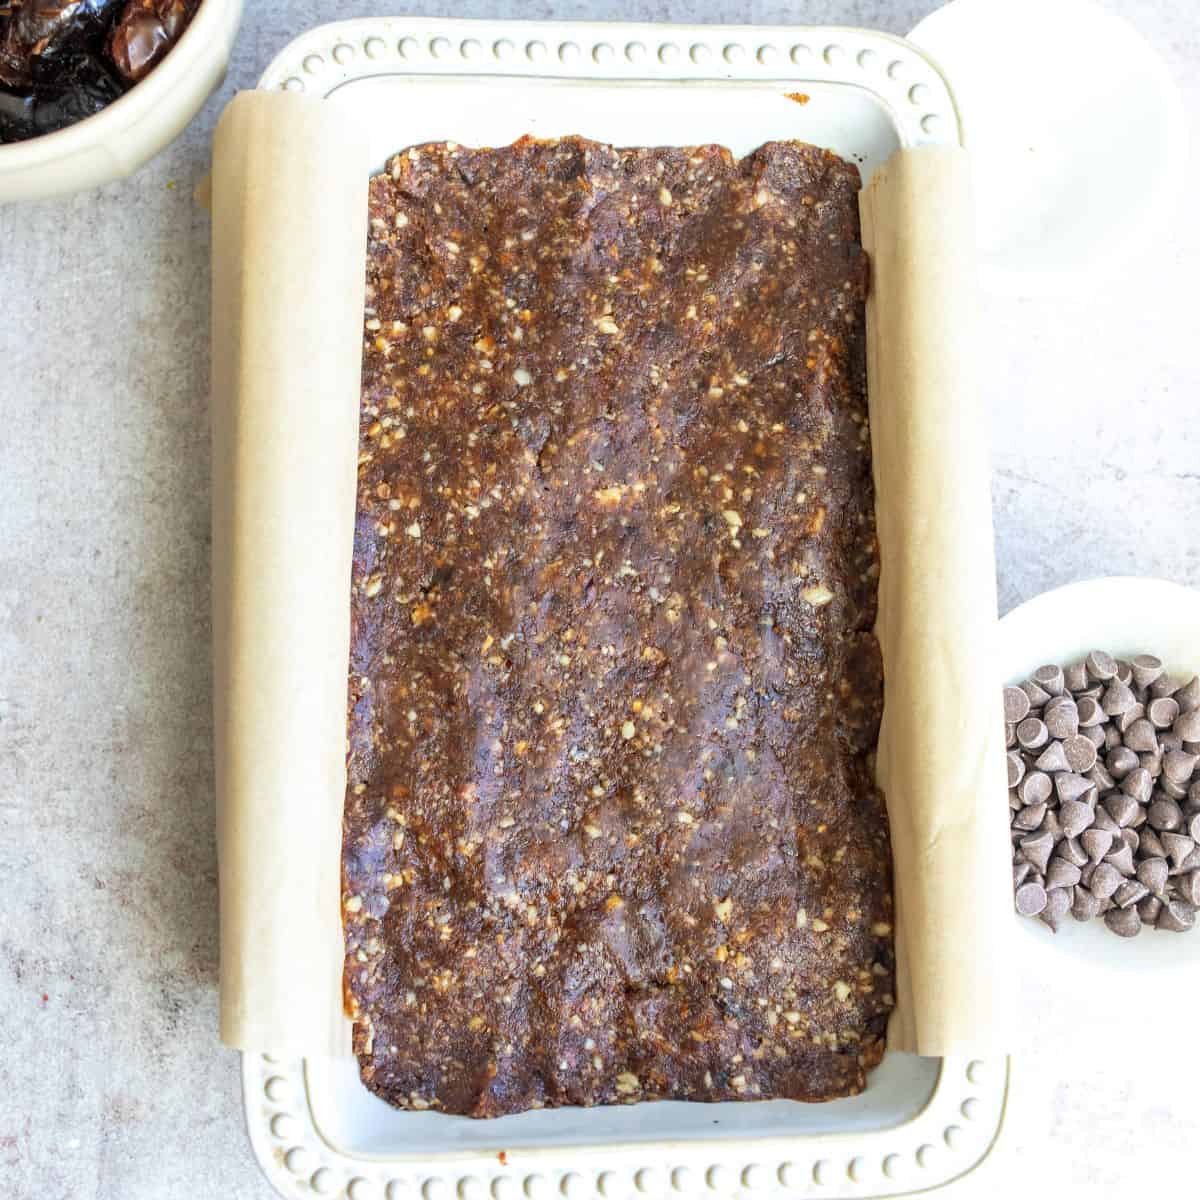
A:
611, 831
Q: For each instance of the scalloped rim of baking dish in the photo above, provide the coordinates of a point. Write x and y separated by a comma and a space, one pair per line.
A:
948, 1130
947, 1138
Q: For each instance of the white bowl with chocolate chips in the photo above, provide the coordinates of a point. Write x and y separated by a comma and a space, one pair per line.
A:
1102, 710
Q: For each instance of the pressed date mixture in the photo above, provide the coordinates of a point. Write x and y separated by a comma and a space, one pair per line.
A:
611, 832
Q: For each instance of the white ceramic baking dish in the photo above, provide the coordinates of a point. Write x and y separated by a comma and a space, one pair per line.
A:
131, 130
920, 1122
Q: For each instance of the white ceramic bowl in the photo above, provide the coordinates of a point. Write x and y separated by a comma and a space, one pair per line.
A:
1081, 979
1077, 132
131, 130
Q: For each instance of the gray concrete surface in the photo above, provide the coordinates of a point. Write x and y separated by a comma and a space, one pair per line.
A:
112, 1084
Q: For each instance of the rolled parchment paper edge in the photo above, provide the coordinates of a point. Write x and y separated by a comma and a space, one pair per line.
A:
289, 202
940, 760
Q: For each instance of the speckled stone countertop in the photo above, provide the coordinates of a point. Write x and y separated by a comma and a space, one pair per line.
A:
112, 1085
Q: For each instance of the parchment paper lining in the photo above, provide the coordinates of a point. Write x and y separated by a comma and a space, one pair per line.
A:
289, 245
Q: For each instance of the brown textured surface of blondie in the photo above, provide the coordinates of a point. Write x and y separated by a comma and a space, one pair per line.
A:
611, 832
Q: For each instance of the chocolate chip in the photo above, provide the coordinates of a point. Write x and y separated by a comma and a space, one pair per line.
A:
1162, 712
1112, 737
1121, 857
1146, 669
1124, 922
1080, 752
1191, 863
1164, 814
1070, 850
1177, 916
1058, 904
1021, 872
1031, 899
1153, 873
1037, 850
1164, 685
1139, 818
1016, 705
1178, 766
1100, 776
1187, 725
1178, 846
1010, 736
1050, 825
1117, 699
1095, 735
1168, 741
1037, 697
1096, 843
1150, 846
1124, 672
1120, 761
1016, 769
1050, 679
1084, 906
1140, 736
1130, 717
1076, 676
1104, 821
1090, 713
1189, 888
1175, 790
1100, 666
1131, 838
1035, 788
1148, 909
1188, 698
1105, 880
1062, 718
1030, 817
1129, 893
1073, 815
1121, 808
1152, 763
1138, 785
1061, 874
1070, 786
1053, 758
1032, 733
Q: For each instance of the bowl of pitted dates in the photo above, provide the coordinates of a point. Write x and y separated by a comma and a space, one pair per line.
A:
91, 89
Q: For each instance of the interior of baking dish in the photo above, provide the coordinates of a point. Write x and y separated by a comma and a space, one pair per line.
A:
357, 1122
853, 122
399, 110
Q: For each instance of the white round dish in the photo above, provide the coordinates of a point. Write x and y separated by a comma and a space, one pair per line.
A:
1077, 133
131, 130
1082, 978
